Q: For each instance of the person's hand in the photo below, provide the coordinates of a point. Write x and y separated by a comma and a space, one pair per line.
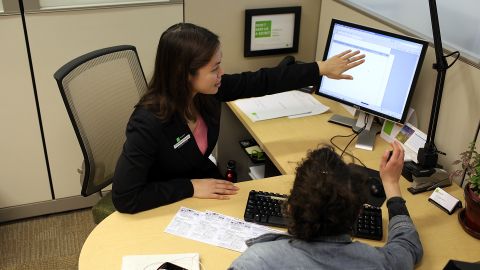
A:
335, 66
391, 170
213, 189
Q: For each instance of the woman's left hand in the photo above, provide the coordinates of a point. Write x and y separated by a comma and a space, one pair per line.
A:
335, 66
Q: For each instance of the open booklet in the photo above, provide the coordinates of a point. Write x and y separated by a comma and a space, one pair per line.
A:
190, 261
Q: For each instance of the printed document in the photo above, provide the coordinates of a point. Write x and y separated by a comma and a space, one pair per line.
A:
215, 229
291, 103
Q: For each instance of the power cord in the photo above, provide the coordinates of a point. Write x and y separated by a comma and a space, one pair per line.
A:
356, 133
457, 53
346, 153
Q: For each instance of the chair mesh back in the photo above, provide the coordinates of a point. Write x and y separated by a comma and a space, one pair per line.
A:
100, 95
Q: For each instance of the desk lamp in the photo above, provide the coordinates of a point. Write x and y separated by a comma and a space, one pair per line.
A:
426, 174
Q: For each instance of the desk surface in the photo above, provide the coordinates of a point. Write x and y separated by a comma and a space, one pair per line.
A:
122, 234
286, 142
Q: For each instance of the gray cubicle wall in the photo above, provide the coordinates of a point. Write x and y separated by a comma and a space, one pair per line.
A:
459, 21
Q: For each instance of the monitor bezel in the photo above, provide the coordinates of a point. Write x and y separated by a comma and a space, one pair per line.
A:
377, 31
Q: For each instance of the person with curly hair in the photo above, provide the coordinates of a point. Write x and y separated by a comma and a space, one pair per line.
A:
325, 200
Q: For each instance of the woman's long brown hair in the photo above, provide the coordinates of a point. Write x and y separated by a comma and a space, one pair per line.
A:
182, 50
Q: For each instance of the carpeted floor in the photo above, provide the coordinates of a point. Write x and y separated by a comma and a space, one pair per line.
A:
46, 242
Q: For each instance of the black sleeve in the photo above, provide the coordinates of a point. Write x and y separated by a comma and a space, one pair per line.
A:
132, 191
268, 81
396, 206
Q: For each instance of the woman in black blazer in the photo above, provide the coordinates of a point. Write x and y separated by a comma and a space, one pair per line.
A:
175, 125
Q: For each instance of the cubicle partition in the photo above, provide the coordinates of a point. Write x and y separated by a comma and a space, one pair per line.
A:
39, 154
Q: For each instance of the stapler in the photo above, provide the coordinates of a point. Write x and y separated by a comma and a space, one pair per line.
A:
428, 179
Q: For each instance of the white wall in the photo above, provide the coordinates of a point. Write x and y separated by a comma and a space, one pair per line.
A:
226, 18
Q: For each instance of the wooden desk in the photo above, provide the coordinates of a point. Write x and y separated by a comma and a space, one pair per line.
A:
142, 233
122, 234
286, 142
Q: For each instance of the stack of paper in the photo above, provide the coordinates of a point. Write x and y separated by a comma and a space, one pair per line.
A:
215, 229
257, 172
292, 104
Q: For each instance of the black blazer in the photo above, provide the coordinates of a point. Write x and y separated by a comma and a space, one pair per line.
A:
159, 158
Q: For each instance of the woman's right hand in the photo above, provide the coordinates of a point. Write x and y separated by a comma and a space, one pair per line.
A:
213, 189
335, 66
391, 169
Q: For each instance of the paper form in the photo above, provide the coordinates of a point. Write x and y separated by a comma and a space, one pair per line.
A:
215, 229
280, 105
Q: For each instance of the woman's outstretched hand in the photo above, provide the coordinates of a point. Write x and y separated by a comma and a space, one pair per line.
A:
335, 66
213, 189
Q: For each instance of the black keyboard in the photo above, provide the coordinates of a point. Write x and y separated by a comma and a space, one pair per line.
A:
369, 223
266, 208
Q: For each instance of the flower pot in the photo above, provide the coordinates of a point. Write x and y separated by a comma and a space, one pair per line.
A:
472, 209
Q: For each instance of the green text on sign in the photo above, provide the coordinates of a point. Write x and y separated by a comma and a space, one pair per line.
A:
263, 29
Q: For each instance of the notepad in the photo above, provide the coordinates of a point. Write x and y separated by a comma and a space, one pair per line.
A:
190, 261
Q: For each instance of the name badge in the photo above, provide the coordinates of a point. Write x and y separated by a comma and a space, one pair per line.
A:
181, 141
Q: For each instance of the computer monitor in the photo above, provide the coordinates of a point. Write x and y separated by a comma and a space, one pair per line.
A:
382, 86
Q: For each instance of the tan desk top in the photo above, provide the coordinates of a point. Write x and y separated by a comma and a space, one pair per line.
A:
122, 234
286, 142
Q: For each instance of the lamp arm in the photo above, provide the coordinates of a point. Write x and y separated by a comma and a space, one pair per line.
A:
428, 155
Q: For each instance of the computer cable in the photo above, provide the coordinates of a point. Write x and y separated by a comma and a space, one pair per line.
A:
365, 120
457, 53
356, 133
346, 153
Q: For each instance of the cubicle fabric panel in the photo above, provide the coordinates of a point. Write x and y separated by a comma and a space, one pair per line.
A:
100, 90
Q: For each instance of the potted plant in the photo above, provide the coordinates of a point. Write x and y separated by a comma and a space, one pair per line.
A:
470, 162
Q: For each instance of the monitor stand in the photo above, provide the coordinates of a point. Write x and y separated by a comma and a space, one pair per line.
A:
366, 139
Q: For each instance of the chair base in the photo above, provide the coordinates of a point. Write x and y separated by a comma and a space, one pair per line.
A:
103, 208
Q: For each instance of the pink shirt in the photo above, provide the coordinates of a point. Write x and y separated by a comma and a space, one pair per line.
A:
200, 134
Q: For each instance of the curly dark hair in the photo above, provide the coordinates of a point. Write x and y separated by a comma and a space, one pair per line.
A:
326, 197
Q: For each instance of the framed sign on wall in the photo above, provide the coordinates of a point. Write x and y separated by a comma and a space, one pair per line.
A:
272, 31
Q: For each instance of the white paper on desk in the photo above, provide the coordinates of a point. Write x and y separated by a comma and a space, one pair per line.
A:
275, 106
215, 229
316, 107
190, 261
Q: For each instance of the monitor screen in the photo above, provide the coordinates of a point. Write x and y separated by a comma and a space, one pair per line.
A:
384, 84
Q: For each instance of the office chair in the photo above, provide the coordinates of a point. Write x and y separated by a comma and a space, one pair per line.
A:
99, 90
